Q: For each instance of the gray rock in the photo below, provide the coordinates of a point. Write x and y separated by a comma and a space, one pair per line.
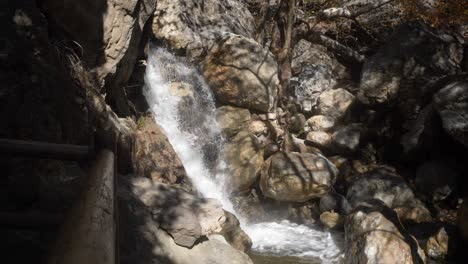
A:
335, 103
385, 185
185, 217
347, 138
451, 103
241, 72
143, 241
373, 234
313, 80
193, 26
296, 177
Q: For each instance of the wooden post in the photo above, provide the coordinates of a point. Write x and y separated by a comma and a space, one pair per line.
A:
37, 149
89, 232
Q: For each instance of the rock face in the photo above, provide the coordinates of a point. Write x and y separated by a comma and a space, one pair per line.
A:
296, 177
316, 71
144, 242
373, 234
241, 72
109, 32
193, 26
335, 103
154, 156
414, 56
383, 184
452, 105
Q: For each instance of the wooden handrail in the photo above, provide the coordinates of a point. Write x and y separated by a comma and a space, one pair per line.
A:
38, 149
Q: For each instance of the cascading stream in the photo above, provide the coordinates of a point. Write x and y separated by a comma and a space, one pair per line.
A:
184, 107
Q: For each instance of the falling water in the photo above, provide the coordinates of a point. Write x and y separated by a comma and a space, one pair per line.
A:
184, 107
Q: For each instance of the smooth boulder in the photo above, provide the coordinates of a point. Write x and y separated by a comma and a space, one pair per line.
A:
241, 72
296, 177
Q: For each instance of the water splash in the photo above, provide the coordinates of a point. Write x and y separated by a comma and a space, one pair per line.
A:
184, 107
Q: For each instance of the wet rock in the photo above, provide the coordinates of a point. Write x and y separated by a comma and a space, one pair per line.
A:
154, 156
331, 220
415, 54
244, 158
373, 234
235, 236
385, 185
231, 120
451, 103
190, 26
249, 207
319, 138
296, 177
321, 123
335, 103
242, 72
347, 139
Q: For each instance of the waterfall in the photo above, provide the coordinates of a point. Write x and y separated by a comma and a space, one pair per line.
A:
184, 107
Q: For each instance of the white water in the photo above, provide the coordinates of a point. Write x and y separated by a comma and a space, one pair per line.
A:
187, 117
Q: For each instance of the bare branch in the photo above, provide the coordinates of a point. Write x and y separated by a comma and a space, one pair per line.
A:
347, 12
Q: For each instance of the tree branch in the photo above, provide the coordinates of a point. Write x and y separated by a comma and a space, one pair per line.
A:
346, 12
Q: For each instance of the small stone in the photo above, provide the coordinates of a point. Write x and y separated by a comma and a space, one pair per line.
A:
331, 220
348, 138
321, 123
437, 245
335, 103
258, 127
319, 138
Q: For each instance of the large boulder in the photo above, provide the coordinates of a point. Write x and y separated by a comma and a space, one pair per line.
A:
385, 185
185, 217
244, 159
451, 103
296, 177
144, 241
373, 234
153, 155
415, 55
193, 26
232, 120
241, 72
